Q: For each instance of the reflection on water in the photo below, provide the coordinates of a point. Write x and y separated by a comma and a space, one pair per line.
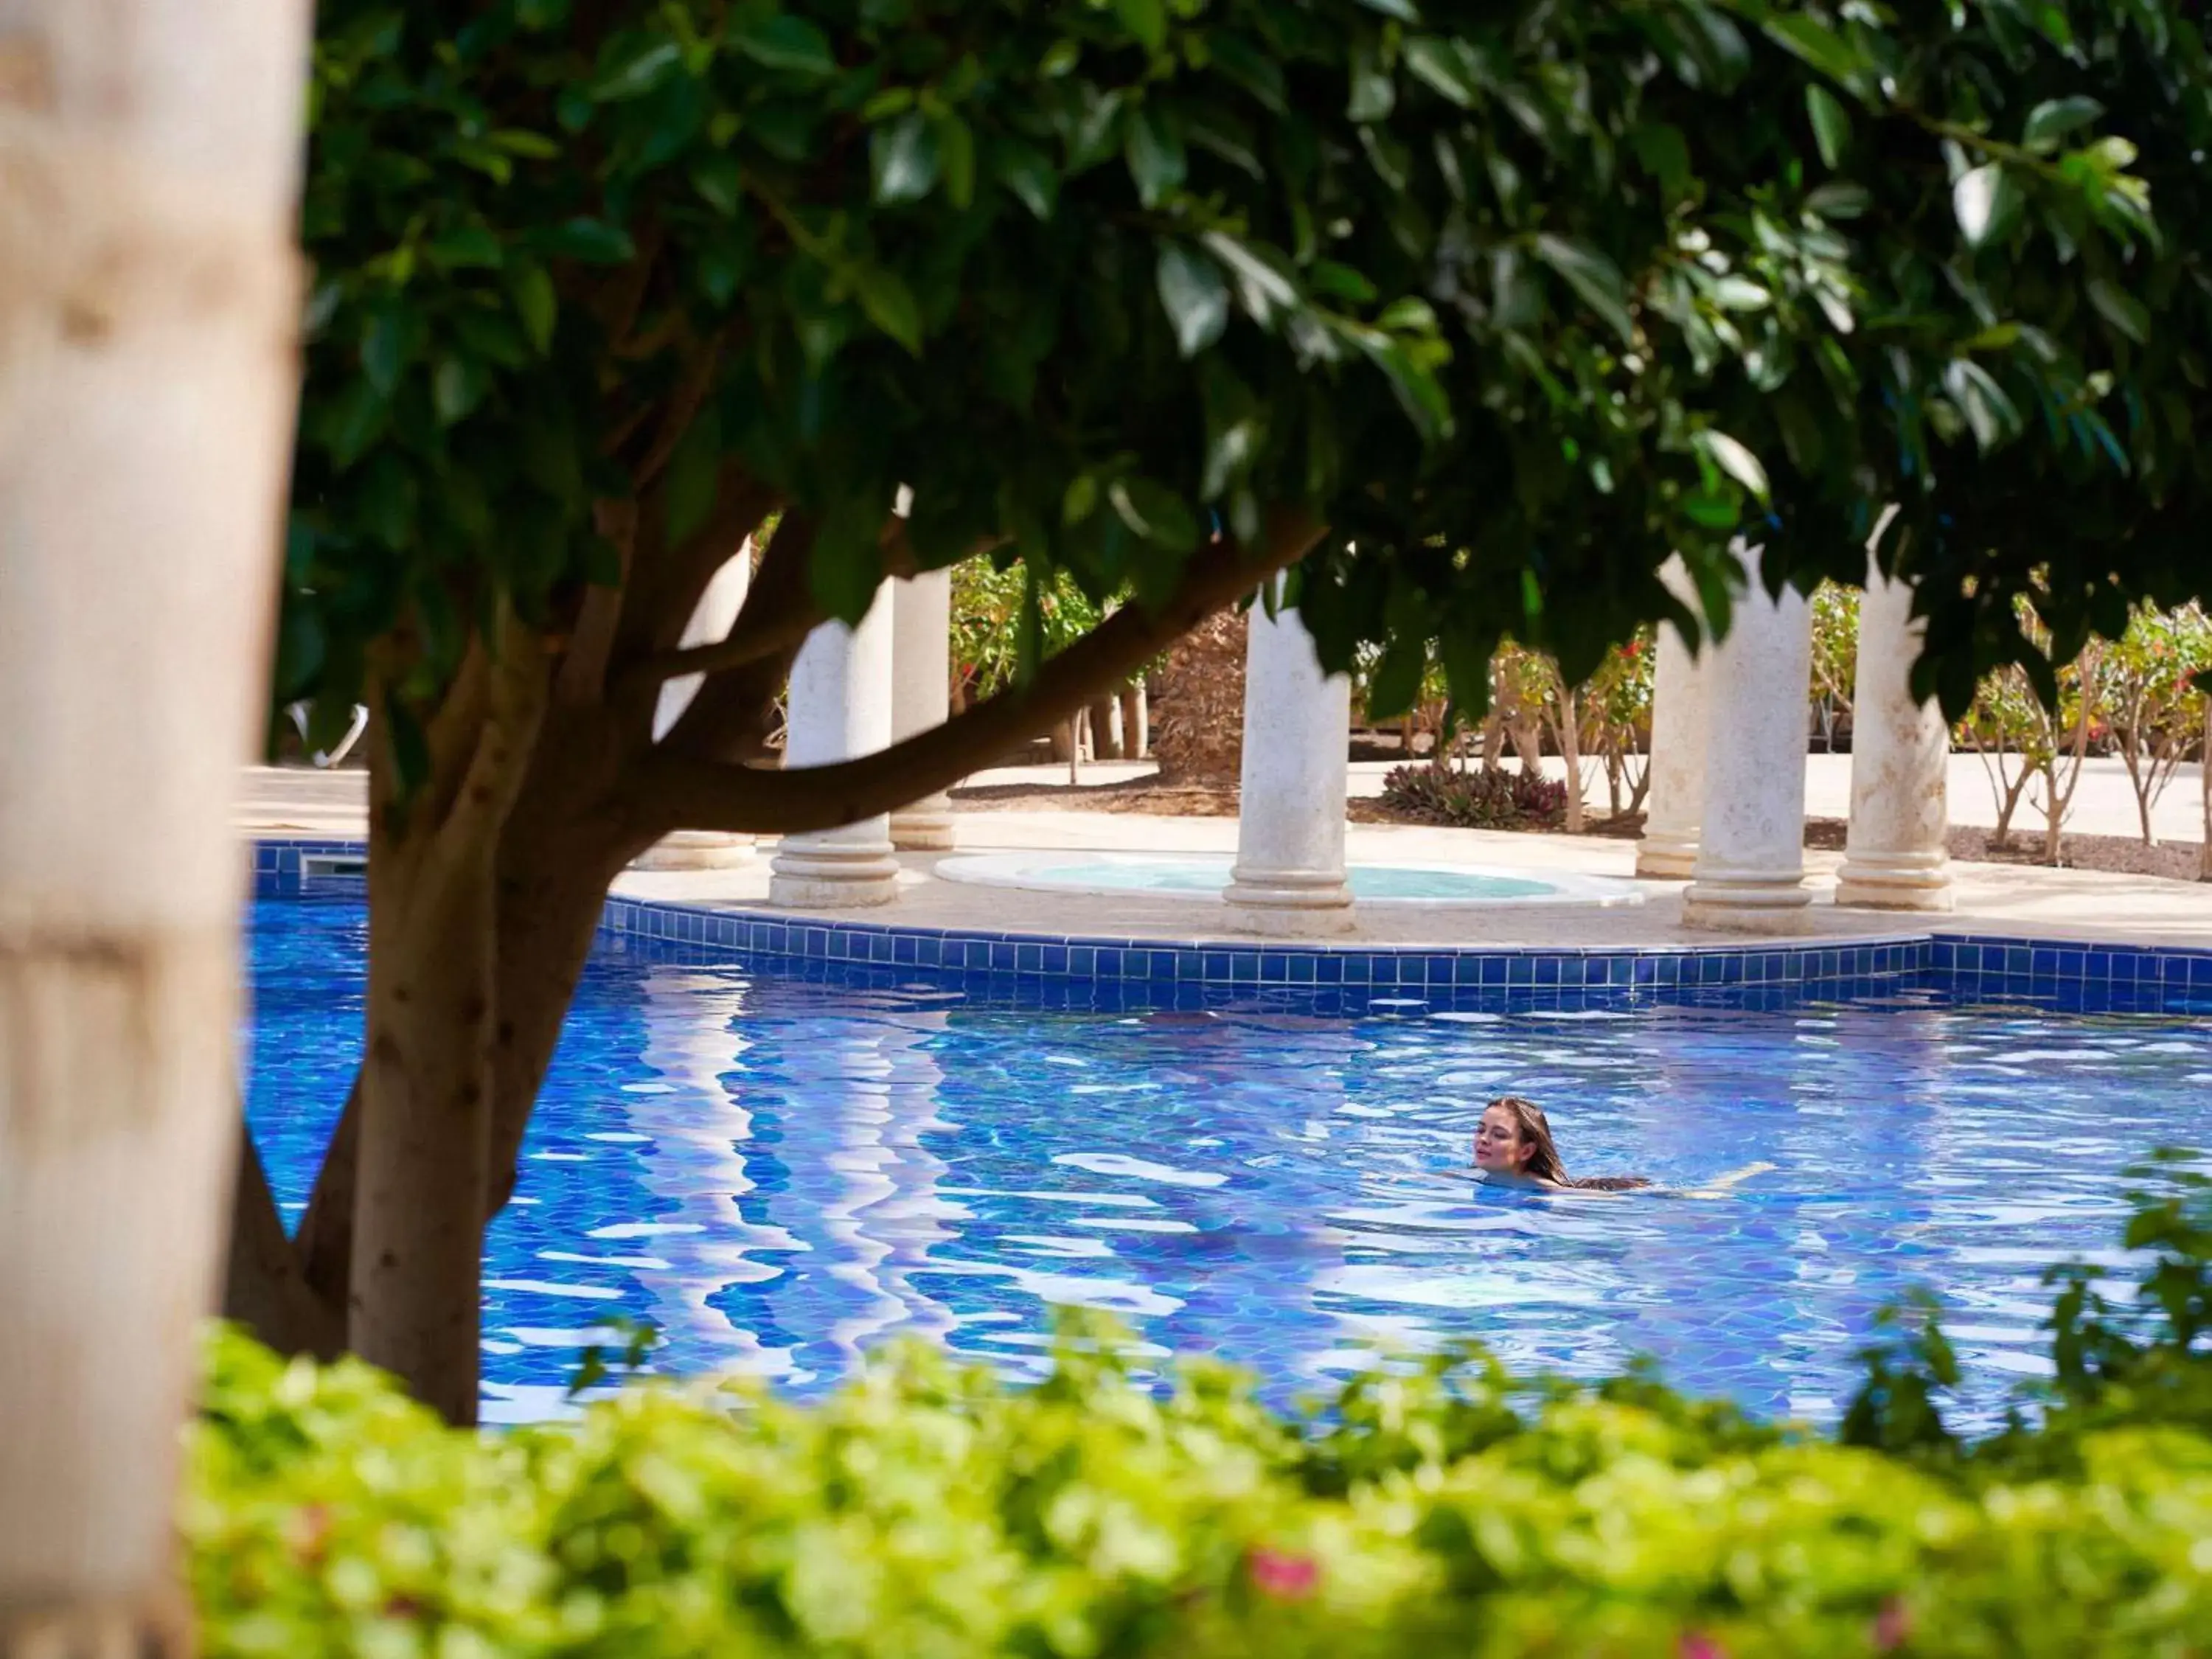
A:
779, 1173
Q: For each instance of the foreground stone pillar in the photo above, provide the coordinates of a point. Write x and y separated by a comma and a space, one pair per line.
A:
921, 678
1676, 801
712, 618
1750, 872
1289, 874
1893, 856
840, 709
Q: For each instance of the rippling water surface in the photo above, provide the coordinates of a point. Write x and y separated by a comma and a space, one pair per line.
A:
780, 1173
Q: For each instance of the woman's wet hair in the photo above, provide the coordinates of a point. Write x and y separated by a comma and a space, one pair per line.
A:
1544, 1164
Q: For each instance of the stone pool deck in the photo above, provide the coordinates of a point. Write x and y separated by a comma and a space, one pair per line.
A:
2014, 901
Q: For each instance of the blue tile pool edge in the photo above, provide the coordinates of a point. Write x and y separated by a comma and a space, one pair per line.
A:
2094, 975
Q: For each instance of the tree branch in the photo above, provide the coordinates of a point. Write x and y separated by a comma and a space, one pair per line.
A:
682, 792
756, 638
778, 613
666, 580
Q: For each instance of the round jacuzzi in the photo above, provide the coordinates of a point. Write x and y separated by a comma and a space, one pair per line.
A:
1203, 875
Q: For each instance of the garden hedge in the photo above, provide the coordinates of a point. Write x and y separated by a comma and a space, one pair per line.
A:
1431, 1508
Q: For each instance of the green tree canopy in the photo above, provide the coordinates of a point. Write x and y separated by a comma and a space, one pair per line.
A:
1476, 313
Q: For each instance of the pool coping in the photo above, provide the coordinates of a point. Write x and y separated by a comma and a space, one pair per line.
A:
1965, 962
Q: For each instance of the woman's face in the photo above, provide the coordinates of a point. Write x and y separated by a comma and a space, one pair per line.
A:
1498, 1145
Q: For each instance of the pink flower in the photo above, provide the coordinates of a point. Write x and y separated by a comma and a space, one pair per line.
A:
1285, 1576
1892, 1625
1696, 1645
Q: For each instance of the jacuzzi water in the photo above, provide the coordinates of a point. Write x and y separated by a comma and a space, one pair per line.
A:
1203, 876
779, 1172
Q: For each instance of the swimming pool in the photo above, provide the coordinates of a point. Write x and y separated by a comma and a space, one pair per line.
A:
779, 1170
1203, 876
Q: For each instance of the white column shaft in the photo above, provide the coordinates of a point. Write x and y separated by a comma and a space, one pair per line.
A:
1751, 855
921, 665
1676, 799
712, 618
840, 709
1893, 856
1289, 875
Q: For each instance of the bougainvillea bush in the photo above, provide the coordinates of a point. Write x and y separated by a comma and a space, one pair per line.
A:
1447, 1508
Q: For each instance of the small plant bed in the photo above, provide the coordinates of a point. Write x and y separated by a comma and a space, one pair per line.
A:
2119, 855
930, 1508
1481, 797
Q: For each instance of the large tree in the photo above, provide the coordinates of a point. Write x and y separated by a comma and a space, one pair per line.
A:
1475, 313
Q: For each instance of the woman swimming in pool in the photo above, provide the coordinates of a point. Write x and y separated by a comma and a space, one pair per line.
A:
1513, 1147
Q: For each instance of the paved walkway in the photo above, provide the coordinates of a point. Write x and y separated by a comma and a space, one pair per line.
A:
1996, 898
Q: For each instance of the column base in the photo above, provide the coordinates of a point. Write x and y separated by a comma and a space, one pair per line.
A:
695, 849
1289, 904
925, 827
1747, 902
1895, 881
1664, 855
811, 875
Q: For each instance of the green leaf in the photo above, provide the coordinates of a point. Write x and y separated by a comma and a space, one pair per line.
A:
1665, 154
1262, 290
639, 73
1029, 174
1154, 150
1733, 459
411, 748
1401, 10
1449, 66
531, 290
464, 247
719, 180
1146, 19
1986, 203
385, 349
2121, 309
1839, 200
1154, 512
1592, 275
1831, 125
904, 157
955, 144
1809, 38
589, 241
789, 42
692, 471
457, 387
891, 305
1196, 296
2051, 120
1396, 685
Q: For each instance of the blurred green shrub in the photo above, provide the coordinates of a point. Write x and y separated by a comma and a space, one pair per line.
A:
1445, 1507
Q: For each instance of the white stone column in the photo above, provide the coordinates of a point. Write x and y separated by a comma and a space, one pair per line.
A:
921, 673
1750, 872
1289, 874
1893, 856
712, 618
1676, 799
840, 709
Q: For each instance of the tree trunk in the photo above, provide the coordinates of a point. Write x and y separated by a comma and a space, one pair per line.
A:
2204, 795
1136, 723
1104, 718
1571, 751
428, 1076
149, 299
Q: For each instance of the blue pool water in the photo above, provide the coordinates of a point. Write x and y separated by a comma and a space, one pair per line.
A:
779, 1171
